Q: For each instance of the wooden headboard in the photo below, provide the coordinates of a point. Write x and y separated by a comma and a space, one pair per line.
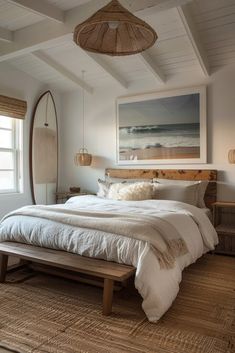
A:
174, 174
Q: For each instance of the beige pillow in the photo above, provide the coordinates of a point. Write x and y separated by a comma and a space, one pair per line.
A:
182, 193
131, 192
202, 186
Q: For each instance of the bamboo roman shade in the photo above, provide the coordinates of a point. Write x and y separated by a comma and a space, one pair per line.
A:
12, 107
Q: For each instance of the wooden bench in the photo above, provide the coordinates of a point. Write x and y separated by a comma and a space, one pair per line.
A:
109, 271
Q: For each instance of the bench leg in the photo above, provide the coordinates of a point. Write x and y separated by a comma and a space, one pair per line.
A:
107, 296
3, 267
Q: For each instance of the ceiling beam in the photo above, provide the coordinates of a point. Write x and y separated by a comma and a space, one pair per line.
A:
194, 38
152, 66
62, 70
40, 34
117, 77
42, 8
6, 35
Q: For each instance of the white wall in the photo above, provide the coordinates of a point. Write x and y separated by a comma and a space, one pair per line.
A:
19, 85
101, 129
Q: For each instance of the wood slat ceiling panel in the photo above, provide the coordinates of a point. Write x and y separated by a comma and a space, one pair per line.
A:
176, 48
180, 70
76, 60
176, 60
217, 34
203, 6
182, 57
218, 22
214, 14
131, 67
167, 24
67, 4
13, 17
215, 22
42, 72
180, 64
227, 45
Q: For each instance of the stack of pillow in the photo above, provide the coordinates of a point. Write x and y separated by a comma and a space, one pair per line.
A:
190, 192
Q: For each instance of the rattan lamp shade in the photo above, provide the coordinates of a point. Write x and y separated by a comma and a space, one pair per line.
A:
113, 30
83, 158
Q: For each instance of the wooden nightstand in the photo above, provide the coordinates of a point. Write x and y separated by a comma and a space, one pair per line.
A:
224, 222
62, 197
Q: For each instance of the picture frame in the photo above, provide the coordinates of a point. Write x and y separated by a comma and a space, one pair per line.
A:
167, 127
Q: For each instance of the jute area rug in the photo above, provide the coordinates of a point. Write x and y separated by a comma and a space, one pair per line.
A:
45, 314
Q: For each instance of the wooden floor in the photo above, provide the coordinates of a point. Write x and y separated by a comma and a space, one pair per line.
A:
44, 314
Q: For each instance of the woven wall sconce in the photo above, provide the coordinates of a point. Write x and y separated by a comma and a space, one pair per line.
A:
113, 30
231, 156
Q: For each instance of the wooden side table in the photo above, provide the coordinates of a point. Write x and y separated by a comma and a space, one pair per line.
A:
62, 197
224, 223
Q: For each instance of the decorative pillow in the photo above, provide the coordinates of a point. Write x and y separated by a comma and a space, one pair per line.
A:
114, 190
104, 187
202, 186
182, 193
131, 192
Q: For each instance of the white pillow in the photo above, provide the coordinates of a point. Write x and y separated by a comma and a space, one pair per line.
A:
182, 193
202, 186
114, 190
131, 192
104, 187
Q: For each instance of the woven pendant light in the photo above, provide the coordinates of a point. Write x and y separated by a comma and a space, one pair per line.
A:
113, 30
83, 158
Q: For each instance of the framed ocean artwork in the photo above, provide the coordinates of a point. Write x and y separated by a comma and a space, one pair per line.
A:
163, 128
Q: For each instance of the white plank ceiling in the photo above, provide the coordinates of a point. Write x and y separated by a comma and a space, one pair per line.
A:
14, 17
215, 21
191, 38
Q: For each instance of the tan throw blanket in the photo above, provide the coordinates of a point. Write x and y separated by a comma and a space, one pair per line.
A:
165, 240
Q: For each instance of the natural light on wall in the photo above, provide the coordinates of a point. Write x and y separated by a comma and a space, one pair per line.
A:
10, 155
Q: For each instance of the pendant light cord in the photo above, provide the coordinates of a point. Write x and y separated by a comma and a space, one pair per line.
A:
83, 113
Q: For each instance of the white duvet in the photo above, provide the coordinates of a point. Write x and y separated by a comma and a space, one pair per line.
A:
158, 287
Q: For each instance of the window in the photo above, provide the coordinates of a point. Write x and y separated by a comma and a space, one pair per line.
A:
10, 155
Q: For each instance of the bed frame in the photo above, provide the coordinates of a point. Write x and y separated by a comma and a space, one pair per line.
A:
108, 271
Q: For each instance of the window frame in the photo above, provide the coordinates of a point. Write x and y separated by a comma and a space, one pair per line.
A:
16, 151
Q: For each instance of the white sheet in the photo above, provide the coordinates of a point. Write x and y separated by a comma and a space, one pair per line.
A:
158, 287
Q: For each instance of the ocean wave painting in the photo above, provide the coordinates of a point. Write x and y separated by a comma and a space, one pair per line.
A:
160, 129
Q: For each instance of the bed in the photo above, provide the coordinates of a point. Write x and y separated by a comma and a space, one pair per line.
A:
158, 238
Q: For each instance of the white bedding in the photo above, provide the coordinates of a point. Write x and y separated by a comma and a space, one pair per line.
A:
158, 287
